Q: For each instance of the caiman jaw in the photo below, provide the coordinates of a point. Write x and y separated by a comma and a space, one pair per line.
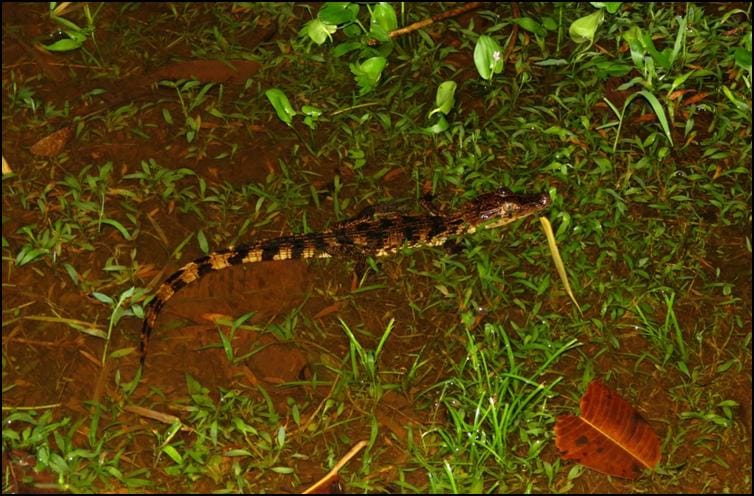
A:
503, 207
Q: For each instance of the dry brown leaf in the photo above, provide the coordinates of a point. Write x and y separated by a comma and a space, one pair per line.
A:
334, 308
610, 436
52, 144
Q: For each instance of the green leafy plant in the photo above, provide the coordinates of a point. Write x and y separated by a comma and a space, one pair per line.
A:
281, 104
344, 16
583, 30
286, 112
444, 101
656, 107
366, 360
191, 95
382, 21
488, 57
368, 73
123, 307
75, 36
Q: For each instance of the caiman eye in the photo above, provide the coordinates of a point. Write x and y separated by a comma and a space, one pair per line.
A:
503, 191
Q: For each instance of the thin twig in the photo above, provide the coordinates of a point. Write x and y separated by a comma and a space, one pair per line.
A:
334, 472
514, 32
426, 22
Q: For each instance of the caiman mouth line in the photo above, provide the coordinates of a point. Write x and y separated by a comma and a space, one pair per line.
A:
364, 235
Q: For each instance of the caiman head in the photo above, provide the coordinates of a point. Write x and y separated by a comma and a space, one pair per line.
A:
502, 207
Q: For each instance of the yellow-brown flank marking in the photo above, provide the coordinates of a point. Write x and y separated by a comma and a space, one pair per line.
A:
363, 235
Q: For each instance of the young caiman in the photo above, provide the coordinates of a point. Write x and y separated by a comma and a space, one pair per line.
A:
364, 235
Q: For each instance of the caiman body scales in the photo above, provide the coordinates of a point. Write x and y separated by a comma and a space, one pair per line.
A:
362, 236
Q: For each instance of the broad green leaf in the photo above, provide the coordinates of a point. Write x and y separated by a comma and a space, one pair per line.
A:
680, 39
67, 25
660, 58
549, 23
383, 15
65, 45
368, 73
122, 352
633, 37
72, 273
280, 438
611, 7
27, 255
338, 12
740, 104
678, 82
743, 58
658, 109
348, 46
311, 111
609, 68
345, 47
531, 25
102, 297
238, 452
280, 103
445, 98
318, 31
549, 62
312, 114
441, 126
584, 28
379, 33
117, 225
241, 320
488, 57
173, 454
282, 470
202, 240
562, 133
352, 30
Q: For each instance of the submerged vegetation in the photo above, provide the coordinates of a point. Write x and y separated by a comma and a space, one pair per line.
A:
139, 137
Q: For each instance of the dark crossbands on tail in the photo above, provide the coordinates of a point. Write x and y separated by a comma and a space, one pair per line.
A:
362, 236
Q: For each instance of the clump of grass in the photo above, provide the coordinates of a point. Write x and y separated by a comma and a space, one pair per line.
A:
498, 426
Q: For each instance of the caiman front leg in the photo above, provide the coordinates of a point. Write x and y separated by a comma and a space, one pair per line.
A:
350, 251
452, 245
427, 201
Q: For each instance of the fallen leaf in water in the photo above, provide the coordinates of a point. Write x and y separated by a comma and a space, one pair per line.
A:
610, 436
